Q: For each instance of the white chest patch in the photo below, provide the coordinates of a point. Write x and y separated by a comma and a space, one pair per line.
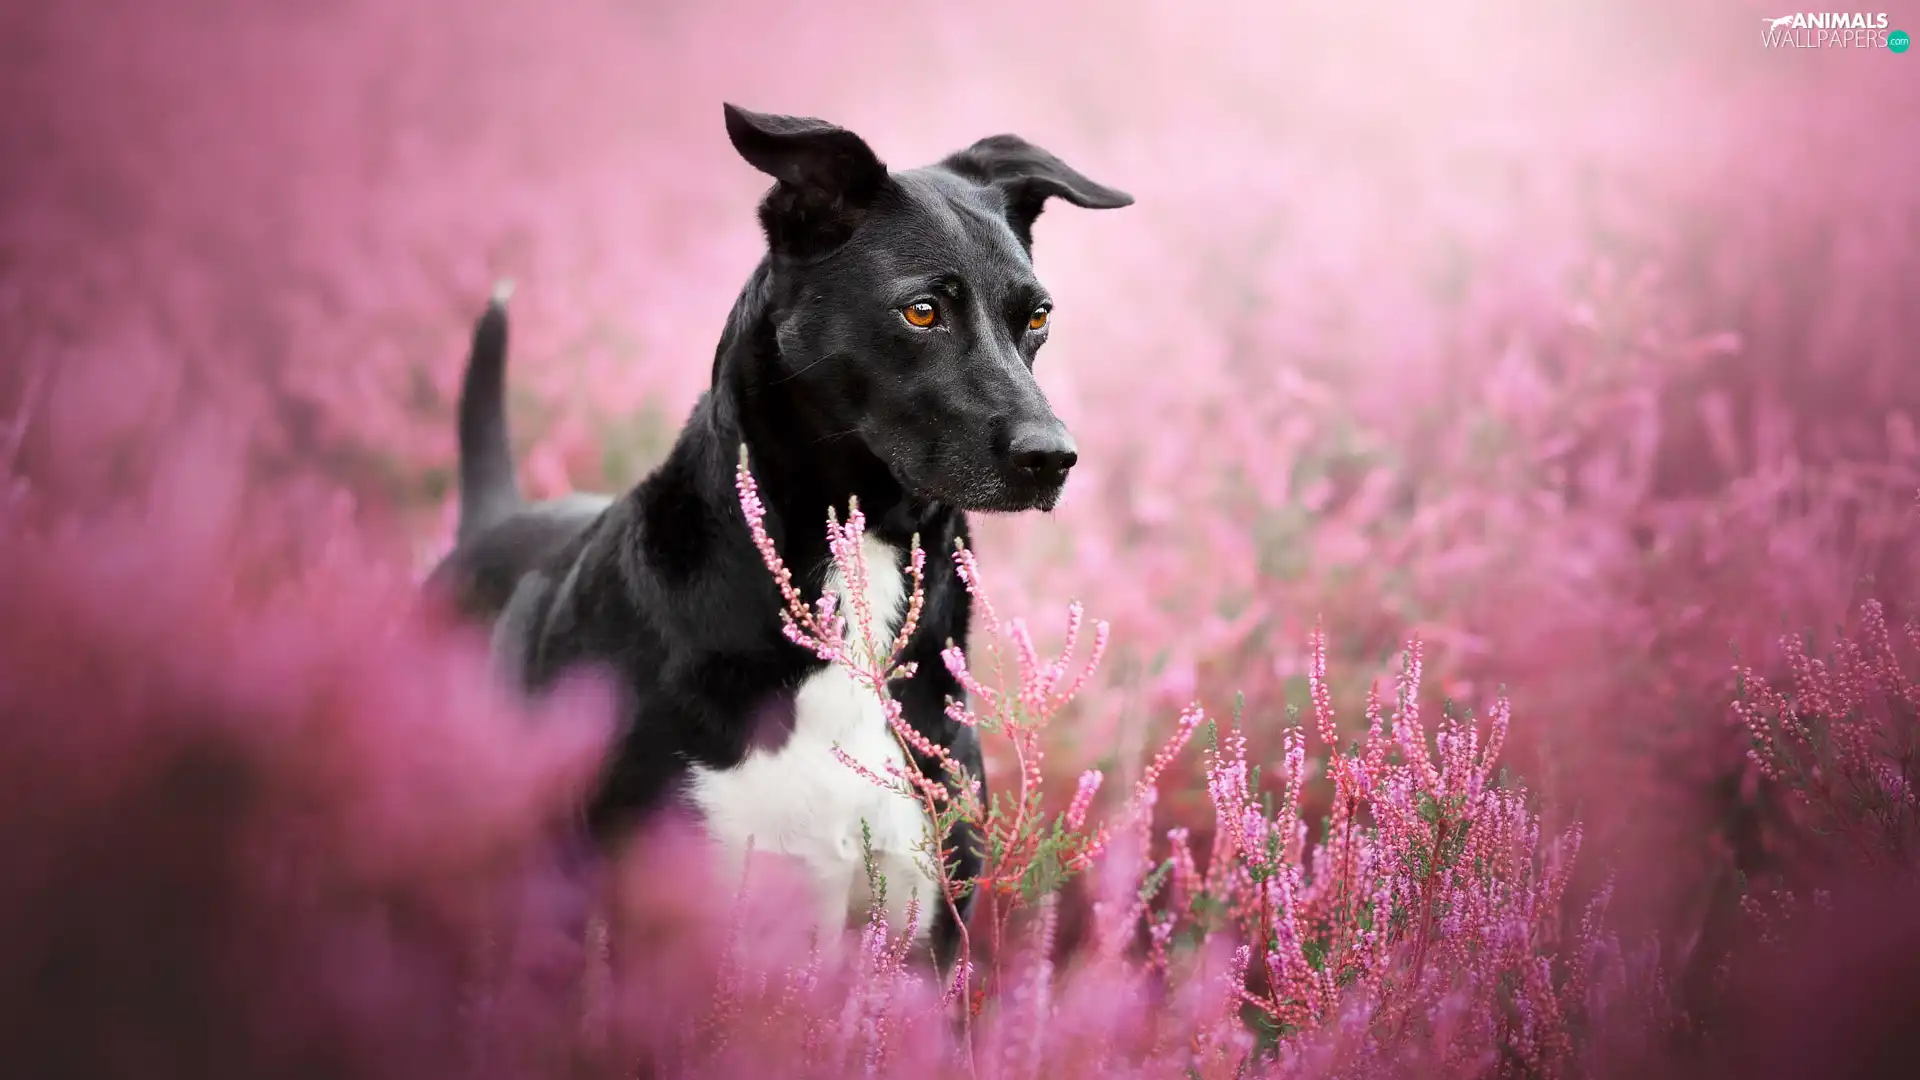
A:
802, 801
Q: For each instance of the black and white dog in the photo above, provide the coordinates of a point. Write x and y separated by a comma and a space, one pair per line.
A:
883, 349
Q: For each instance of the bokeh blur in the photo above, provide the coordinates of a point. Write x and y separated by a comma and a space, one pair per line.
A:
1575, 338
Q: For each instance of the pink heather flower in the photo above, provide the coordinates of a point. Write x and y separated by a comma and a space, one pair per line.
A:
1083, 797
1190, 720
1227, 787
1375, 757
969, 570
1322, 696
956, 986
1186, 873
1407, 726
1296, 767
956, 663
893, 782
1100, 635
1032, 673
1159, 933
817, 628
916, 573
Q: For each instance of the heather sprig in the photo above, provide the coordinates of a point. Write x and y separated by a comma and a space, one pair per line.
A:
1841, 735
1028, 853
1427, 881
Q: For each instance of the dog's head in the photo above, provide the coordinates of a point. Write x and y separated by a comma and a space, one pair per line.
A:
906, 307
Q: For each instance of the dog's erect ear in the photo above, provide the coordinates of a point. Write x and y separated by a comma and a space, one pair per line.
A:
828, 177
1028, 176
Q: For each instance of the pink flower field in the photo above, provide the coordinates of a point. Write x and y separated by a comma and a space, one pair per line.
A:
1481, 637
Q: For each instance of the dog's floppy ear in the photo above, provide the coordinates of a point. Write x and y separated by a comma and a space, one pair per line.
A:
1028, 176
828, 177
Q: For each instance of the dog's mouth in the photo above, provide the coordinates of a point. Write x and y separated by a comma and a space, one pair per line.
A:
1001, 495
1020, 497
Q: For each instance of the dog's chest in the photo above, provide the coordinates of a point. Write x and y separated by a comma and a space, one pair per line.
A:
800, 800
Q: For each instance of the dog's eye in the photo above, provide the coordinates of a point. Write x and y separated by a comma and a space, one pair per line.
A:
1038, 320
920, 313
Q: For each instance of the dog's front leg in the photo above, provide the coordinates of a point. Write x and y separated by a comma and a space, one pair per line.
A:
834, 888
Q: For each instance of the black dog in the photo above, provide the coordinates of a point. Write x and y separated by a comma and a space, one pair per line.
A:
882, 349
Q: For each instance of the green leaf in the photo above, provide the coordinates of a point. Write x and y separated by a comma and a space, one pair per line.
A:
1316, 953
1267, 1032
1150, 885
1204, 904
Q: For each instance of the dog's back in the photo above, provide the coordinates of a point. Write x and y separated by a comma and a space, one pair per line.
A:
481, 572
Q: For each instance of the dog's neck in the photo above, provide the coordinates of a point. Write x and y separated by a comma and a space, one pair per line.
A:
802, 467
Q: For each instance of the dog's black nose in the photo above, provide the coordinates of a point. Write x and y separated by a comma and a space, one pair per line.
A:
1043, 448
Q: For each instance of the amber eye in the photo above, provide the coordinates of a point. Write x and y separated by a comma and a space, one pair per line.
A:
921, 314
1039, 319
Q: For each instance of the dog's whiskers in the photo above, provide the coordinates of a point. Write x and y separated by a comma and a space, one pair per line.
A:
797, 374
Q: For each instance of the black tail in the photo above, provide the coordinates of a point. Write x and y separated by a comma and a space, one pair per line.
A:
488, 489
